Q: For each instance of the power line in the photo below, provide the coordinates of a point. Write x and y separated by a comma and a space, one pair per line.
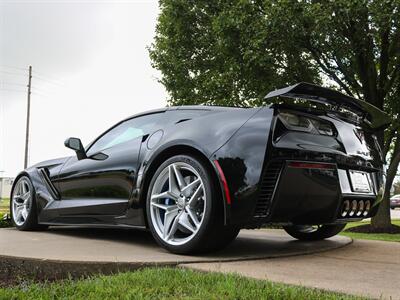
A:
15, 68
12, 73
12, 90
47, 80
12, 83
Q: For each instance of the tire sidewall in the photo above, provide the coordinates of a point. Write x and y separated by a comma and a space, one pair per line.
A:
207, 223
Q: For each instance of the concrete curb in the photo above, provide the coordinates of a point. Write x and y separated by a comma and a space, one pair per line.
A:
13, 268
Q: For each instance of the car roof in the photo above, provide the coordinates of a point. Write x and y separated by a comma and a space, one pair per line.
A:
186, 107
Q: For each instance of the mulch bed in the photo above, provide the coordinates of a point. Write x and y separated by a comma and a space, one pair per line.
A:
394, 229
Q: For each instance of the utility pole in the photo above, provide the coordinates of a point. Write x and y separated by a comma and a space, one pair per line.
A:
28, 111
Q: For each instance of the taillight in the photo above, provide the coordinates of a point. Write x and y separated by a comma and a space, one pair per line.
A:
305, 124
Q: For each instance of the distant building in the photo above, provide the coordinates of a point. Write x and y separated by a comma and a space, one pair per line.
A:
5, 187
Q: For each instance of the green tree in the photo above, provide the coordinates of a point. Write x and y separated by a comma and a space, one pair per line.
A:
233, 52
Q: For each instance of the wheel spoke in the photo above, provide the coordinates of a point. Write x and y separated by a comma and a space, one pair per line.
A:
17, 209
24, 213
174, 228
18, 189
26, 196
17, 200
173, 185
187, 190
23, 191
192, 216
169, 218
164, 195
164, 206
195, 197
179, 177
184, 221
19, 214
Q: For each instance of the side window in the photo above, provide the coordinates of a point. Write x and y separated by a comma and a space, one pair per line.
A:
125, 132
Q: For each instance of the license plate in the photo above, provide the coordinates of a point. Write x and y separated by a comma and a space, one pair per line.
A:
360, 182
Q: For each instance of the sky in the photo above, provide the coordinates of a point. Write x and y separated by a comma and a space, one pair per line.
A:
90, 68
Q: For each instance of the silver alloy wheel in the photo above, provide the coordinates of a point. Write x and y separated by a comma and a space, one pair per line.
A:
21, 201
177, 203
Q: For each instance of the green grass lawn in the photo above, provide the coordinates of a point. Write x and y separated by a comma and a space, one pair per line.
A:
4, 205
4, 209
166, 283
372, 236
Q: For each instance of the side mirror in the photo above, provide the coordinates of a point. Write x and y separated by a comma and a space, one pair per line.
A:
76, 144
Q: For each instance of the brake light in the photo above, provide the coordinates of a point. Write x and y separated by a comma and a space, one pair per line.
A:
302, 123
310, 165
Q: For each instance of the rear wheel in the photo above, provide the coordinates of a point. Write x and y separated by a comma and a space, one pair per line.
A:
223, 238
184, 211
313, 232
23, 206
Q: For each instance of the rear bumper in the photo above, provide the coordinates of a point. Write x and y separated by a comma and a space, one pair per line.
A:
311, 193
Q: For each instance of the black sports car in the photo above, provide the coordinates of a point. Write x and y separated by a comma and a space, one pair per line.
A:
196, 175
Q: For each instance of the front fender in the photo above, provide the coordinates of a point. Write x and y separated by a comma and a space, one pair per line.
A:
43, 193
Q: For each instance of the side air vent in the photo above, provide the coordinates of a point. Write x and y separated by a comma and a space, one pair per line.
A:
267, 187
49, 184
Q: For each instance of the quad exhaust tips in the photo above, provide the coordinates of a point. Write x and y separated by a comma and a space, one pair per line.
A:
355, 208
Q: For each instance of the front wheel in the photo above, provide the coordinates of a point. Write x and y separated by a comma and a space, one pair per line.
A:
313, 232
23, 206
184, 211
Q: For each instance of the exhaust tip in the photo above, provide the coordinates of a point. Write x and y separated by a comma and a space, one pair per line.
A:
345, 208
367, 208
360, 208
354, 206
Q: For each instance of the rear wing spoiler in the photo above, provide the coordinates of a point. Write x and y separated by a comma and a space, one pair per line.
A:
376, 118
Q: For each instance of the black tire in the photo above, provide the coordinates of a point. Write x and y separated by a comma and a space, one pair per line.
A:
31, 222
212, 234
225, 236
304, 233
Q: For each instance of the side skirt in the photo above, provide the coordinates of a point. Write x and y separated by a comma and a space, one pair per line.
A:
92, 212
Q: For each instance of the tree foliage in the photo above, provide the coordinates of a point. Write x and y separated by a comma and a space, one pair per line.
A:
232, 52
220, 52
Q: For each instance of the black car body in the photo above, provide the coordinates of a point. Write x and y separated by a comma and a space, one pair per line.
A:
312, 163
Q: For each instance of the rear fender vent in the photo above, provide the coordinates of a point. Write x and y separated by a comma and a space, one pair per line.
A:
267, 188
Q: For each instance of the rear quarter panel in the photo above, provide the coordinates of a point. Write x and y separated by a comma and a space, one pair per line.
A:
242, 160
